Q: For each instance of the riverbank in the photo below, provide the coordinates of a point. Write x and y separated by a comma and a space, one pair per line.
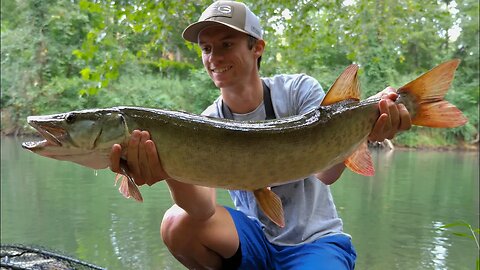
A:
389, 145
462, 147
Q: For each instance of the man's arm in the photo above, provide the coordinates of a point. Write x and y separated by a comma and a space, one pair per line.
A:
146, 168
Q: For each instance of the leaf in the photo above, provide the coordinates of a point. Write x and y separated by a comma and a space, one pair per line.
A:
78, 54
463, 235
85, 73
82, 92
92, 91
456, 224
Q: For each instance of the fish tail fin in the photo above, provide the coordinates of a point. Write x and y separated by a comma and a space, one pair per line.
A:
427, 93
361, 161
271, 205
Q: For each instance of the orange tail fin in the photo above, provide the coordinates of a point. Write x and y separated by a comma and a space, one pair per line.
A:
427, 92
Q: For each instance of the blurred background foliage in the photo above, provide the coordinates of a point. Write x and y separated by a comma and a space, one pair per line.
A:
62, 55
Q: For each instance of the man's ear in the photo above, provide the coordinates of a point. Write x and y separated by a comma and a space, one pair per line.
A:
259, 47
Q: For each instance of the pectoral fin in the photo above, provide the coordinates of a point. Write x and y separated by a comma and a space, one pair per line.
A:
128, 188
271, 205
361, 161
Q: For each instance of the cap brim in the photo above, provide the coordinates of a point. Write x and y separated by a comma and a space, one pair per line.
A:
191, 32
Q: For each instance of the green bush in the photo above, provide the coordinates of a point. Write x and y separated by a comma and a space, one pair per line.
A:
155, 91
169, 68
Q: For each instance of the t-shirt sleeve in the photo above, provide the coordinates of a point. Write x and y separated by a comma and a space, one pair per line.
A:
294, 94
308, 93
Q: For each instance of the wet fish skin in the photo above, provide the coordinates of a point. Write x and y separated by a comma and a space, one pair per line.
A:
249, 155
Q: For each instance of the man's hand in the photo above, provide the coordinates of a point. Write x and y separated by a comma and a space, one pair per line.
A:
393, 117
142, 159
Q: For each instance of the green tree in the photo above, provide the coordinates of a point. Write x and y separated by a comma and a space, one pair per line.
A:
37, 42
67, 51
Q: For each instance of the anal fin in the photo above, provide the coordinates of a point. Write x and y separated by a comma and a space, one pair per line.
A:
271, 205
361, 161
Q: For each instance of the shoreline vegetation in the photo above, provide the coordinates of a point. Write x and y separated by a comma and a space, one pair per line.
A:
66, 55
193, 95
390, 145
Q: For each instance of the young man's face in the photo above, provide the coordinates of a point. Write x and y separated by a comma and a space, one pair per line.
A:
226, 56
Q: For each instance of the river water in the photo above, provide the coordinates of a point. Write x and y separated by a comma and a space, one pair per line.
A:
395, 218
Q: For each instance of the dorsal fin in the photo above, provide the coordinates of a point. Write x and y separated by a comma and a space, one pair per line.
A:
346, 86
361, 161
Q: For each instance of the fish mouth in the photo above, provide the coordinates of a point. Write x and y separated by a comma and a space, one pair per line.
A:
50, 131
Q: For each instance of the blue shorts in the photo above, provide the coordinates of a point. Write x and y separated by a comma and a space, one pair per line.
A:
334, 252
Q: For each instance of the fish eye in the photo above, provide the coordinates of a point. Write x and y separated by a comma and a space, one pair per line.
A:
70, 118
122, 120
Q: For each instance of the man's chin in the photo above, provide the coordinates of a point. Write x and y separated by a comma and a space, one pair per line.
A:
220, 83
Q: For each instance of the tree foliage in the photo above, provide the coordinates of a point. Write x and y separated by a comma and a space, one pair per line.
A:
82, 52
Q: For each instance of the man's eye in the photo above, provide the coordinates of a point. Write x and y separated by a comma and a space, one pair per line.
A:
227, 44
206, 49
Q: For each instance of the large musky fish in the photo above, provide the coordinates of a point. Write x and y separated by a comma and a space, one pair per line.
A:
250, 155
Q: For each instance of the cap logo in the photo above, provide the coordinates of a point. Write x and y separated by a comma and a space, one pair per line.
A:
224, 9
256, 30
231, 14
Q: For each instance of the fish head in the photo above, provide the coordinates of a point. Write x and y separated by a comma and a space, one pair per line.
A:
84, 137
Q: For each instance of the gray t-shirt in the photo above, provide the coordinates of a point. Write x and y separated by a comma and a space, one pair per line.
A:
307, 203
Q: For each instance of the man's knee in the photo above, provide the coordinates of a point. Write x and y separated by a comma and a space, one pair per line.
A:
176, 229
183, 236
218, 232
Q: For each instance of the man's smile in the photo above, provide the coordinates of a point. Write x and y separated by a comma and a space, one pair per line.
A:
221, 70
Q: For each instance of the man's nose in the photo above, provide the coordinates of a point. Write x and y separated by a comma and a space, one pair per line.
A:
216, 54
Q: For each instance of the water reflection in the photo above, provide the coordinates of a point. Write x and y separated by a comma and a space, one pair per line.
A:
391, 216
439, 249
394, 217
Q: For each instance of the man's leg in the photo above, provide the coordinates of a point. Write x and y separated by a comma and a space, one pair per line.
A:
200, 244
328, 253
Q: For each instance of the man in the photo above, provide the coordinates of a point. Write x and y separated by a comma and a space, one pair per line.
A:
204, 235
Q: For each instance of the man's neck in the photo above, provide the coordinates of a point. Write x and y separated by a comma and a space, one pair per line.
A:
243, 98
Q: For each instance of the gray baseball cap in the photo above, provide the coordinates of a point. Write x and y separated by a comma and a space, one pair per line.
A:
233, 14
